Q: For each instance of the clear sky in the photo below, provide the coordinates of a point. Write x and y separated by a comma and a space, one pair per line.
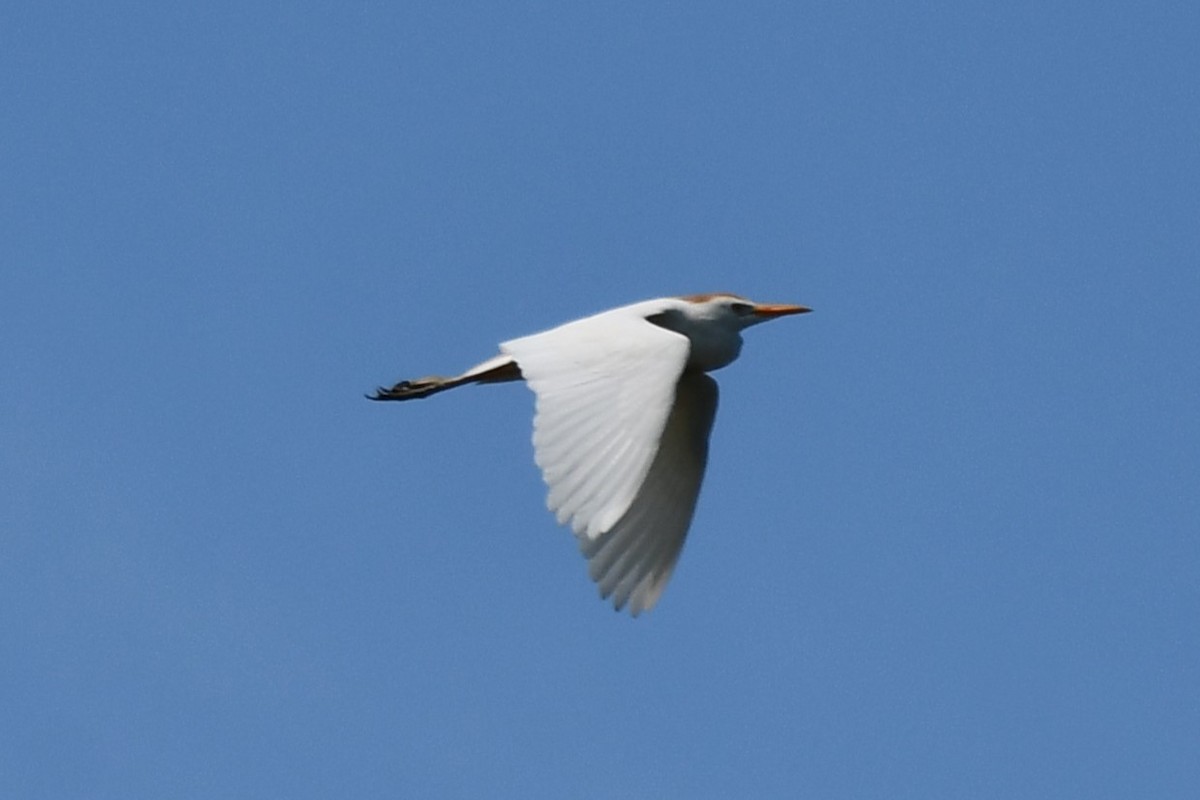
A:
949, 541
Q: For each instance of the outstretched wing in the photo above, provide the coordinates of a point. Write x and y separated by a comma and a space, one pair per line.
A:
633, 561
606, 388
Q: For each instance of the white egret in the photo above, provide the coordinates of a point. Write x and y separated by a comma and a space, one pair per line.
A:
623, 414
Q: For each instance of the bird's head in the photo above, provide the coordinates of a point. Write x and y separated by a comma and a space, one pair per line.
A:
735, 311
714, 323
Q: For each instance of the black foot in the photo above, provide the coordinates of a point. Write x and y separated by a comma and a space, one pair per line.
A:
410, 390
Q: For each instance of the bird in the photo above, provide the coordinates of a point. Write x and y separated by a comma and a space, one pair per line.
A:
624, 407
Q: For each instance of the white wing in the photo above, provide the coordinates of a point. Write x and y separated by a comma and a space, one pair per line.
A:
633, 561
606, 390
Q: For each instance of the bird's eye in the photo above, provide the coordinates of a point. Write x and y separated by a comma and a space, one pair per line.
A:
742, 309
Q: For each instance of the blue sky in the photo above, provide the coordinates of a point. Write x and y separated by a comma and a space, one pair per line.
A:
947, 544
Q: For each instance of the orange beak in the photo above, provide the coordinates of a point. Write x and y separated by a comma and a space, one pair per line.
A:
773, 311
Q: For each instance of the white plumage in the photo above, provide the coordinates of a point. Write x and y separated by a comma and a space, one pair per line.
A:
624, 411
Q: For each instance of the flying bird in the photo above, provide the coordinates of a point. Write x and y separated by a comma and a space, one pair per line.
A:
623, 413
